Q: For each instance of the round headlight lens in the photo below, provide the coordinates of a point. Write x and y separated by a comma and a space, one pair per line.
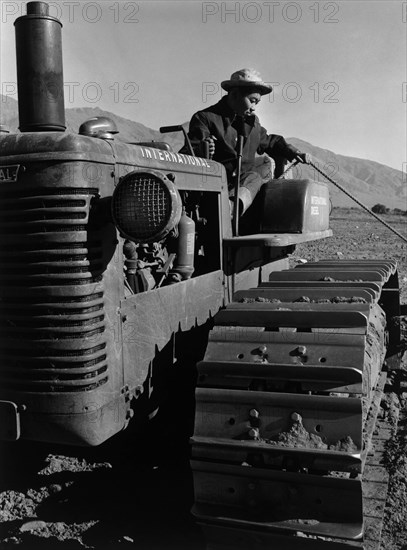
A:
146, 206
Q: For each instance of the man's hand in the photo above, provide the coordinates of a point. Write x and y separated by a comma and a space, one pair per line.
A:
211, 142
295, 155
304, 158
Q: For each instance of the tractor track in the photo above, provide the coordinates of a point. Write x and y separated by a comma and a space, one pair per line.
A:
300, 490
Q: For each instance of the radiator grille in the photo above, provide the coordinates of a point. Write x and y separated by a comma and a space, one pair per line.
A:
51, 339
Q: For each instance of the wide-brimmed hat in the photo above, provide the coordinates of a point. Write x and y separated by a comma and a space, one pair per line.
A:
247, 78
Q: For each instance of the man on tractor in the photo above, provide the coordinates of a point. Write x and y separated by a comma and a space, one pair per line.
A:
218, 127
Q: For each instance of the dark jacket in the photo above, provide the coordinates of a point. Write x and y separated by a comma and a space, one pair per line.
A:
220, 121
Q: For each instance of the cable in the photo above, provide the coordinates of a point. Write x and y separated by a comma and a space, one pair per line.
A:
358, 202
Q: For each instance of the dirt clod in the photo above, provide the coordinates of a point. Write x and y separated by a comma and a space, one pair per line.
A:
345, 445
298, 436
34, 525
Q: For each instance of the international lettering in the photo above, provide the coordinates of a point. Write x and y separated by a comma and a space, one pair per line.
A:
169, 156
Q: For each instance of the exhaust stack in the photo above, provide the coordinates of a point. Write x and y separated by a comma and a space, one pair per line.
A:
39, 70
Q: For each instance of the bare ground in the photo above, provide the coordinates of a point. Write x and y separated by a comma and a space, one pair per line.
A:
123, 495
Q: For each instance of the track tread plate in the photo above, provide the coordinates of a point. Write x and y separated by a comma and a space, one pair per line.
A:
296, 293
266, 315
322, 274
384, 265
348, 267
239, 452
225, 413
244, 375
327, 348
221, 537
272, 499
337, 285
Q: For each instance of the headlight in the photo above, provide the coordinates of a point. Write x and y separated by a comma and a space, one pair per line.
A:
146, 206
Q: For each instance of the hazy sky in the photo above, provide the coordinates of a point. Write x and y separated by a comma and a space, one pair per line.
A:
339, 67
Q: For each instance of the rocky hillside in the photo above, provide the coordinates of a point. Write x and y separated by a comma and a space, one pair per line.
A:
130, 131
369, 181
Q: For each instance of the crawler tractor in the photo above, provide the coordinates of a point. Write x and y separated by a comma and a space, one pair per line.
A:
119, 263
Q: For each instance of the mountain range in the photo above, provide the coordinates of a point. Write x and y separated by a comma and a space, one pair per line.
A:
370, 182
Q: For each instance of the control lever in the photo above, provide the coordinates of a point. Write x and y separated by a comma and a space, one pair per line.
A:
179, 128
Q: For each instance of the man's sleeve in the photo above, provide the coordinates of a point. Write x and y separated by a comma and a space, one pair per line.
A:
275, 146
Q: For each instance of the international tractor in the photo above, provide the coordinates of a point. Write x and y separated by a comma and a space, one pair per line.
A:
119, 263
